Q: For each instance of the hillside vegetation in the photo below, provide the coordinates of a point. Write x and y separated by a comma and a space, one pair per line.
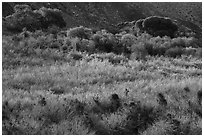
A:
141, 79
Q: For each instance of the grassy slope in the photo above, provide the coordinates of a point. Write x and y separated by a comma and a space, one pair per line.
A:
73, 110
47, 92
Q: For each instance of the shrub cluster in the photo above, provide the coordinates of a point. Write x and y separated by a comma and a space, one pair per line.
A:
84, 39
24, 16
80, 32
165, 45
105, 41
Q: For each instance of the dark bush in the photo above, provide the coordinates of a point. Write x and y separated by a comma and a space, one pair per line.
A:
184, 42
80, 32
138, 51
174, 52
22, 8
158, 45
198, 53
189, 51
178, 42
67, 45
25, 17
53, 30
85, 45
127, 41
105, 42
51, 17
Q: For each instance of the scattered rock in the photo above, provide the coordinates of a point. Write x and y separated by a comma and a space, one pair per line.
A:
187, 89
57, 90
161, 99
42, 101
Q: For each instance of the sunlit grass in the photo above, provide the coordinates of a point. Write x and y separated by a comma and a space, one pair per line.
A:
24, 88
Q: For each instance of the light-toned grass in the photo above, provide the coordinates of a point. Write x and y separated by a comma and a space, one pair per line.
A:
25, 86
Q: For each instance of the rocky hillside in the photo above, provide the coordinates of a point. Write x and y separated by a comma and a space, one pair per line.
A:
108, 14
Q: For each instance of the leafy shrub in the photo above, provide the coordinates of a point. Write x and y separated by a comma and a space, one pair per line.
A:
167, 46
67, 44
144, 37
33, 20
184, 42
51, 17
23, 17
105, 42
189, 51
178, 42
128, 40
80, 32
75, 55
174, 52
86, 45
158, 45
138, 51
111, 57
20, 8
198, 53
53, 30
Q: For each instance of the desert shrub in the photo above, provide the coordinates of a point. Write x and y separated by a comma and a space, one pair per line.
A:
189, 51
67, 44
178, 42
24, 16
184, 42
174, 52
157, 45
80, 32
151, 45
85, 45
91, 46
138, 51
140, 117
165, 45
105, 42
75, 55
43, 42
82, 45
20, 8
53, 30
111, 57
144, 37
128, 40
27, 45
51, 17
198, 53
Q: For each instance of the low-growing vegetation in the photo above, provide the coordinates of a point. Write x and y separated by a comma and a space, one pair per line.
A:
86, 82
